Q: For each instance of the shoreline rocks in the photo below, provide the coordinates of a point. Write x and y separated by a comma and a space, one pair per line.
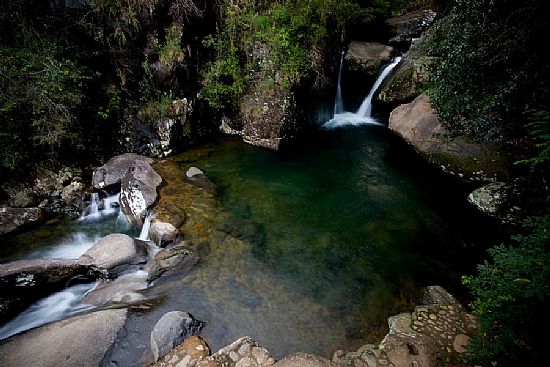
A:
18, 219
172, 328
418, 124
408, 26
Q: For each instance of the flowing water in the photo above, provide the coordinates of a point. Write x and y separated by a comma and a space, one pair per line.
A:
364, 115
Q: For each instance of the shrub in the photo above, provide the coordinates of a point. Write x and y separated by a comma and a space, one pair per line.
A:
511, 298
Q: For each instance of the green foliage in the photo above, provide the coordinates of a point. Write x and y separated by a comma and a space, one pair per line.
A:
156, 109
539, 129
292, 32
491, 69
511, 299
41, 93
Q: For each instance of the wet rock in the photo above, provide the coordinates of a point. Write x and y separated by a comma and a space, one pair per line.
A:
176, 258
490, 198
138, 191
16, 219
115, 253
187, 354
436, 295
77, 341
419, 126
25, 281
408, 26
114, 170
198, 178
362, 63
267, 114
406, 80
304, 360
243, 352
119, 291
193, 171
163, 233
172, 328
164, 131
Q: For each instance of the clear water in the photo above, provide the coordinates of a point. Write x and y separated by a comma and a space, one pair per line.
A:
326, 242
332, 239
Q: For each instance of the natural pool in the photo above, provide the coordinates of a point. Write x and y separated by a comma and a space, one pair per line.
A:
326, 242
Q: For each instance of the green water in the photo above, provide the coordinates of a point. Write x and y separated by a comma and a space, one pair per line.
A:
313, 249
331, 239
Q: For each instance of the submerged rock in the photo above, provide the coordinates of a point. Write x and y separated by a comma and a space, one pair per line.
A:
172, 328
171, 259
138, 191
419, 126
78, 341
114, 170
17, 219
115, 253
243, 352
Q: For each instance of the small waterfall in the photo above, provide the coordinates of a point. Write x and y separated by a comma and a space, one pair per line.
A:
364, 115
144, 235
98, 208
94, 204
366, 107
339, 103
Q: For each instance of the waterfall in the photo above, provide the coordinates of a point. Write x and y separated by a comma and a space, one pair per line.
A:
94, 205
366, 107
338, 103
364, 115
98, 208
144, 235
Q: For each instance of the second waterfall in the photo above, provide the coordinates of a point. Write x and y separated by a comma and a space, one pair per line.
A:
364, 115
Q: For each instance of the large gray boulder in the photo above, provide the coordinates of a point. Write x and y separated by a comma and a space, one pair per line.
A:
408, 26
115, 253
16, 219
114, 170
418, 124
25, 281
79, 341
172, 328
138, 191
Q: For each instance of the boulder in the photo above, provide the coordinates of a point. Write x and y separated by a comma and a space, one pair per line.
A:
16, 219
243, 352
77, 341
123, 290
114, 170
187, 354
25, 281
362, 63
115, 253
163, 233
490, 199
419, 126
406, 80
172, 328
408, 26
138, 191
176, 258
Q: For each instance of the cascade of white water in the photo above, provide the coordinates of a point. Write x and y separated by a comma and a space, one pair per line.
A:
144, 235
366, 107
338, 102
94, 205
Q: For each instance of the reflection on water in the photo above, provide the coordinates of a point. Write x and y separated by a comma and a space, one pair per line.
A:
316, 248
